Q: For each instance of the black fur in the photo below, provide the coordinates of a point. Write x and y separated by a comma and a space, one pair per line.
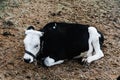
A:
65, 40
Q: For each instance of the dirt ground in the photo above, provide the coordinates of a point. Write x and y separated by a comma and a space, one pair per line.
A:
17, 15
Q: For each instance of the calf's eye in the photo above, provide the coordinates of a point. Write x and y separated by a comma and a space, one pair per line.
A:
36, 46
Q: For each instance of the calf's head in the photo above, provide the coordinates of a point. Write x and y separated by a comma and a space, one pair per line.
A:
32, 44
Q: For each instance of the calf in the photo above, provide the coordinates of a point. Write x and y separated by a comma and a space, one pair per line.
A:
59, 41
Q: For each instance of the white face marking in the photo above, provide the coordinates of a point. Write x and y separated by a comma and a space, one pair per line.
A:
32, 43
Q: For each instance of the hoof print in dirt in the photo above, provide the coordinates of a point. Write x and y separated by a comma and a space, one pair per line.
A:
28, 77
7, 34
8, 23
56, 14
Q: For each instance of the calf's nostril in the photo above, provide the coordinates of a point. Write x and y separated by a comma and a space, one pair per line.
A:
27, 60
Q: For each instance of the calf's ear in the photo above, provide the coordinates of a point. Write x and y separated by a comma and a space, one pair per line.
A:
30, 27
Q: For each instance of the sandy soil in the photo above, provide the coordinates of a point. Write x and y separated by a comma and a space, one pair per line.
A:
16, 15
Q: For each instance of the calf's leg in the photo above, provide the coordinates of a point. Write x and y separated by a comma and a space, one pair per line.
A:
50, 61
94, 38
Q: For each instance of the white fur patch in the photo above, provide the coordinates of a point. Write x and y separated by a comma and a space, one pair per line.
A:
34, 32
54, 27
94, 43
50, 61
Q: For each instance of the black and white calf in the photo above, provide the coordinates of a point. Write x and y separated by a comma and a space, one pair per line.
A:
59, 41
